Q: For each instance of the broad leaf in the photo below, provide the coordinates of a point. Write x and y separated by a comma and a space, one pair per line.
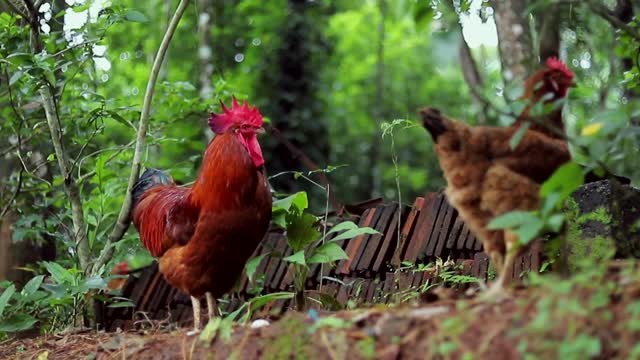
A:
345, 225
260, 301
297, 258
301, 231
555, 222
355, 232
252, 266
135, 16
565, 180
17, 322
5, 297
32, 285
299, 200
529, 230
122, 304
327, 253
511, 220
59, 274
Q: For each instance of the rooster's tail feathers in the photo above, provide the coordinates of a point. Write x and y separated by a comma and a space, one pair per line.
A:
149, 178
434, 122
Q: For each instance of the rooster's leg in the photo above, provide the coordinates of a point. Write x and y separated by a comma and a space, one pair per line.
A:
212, 308
195, 304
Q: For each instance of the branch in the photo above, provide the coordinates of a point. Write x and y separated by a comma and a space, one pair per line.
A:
70, 186
124, 217
611, 17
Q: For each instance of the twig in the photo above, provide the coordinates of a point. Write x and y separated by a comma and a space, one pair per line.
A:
310, 164
118, 151
124, 217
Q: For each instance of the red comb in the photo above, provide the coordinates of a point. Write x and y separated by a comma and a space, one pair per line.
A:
236, 114
554, 63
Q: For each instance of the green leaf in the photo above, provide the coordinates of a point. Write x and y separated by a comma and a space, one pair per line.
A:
209, 332
49, 75
15, 77
252, 266
565, 180
511, 220
302, 231
32, 285
122, 304
519, 134
355, 232
260, 301
297, 258
135, 16
529, 230
17, 322
555, 222
327, 253
5, 297
345, 225
59, 274
299, 200
95, 282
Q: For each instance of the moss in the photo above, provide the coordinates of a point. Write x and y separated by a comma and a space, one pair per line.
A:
600, 215
292, 343
583, 250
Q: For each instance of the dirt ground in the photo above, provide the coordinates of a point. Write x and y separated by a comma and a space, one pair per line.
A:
593, 315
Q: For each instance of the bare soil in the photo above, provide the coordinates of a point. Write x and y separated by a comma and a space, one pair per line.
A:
590, 316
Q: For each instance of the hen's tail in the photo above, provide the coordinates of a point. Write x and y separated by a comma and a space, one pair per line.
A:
149, 178
434, 122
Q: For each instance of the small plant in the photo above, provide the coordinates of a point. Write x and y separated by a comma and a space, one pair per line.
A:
308, 245
55, 302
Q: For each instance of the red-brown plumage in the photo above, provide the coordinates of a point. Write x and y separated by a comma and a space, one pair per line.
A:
204, 234
548, 85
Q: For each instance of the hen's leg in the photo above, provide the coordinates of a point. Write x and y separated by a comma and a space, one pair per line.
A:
195, 304
212, 308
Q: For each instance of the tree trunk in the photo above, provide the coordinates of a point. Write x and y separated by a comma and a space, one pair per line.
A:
205, 52
514, 40
290, 87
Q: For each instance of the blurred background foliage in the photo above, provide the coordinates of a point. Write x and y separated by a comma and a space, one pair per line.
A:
327, 74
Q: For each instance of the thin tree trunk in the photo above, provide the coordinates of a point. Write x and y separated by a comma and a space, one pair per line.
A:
124, 217
205, 52
472, 78
70, 186
549, 44
514, 40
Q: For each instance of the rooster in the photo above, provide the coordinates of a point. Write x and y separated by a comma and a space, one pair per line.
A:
203, 235
487, 178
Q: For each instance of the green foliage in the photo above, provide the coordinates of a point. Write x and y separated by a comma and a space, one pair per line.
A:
54, 304
529, 225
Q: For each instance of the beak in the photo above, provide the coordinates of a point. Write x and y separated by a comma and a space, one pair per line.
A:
260, 130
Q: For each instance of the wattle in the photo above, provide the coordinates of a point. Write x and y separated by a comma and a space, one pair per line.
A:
253, 147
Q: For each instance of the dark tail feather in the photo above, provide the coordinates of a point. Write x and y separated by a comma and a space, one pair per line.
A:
433, 121
149, 178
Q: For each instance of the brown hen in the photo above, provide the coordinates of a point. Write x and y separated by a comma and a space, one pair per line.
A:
487, 178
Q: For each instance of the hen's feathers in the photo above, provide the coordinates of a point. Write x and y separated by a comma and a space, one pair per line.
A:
487, 178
